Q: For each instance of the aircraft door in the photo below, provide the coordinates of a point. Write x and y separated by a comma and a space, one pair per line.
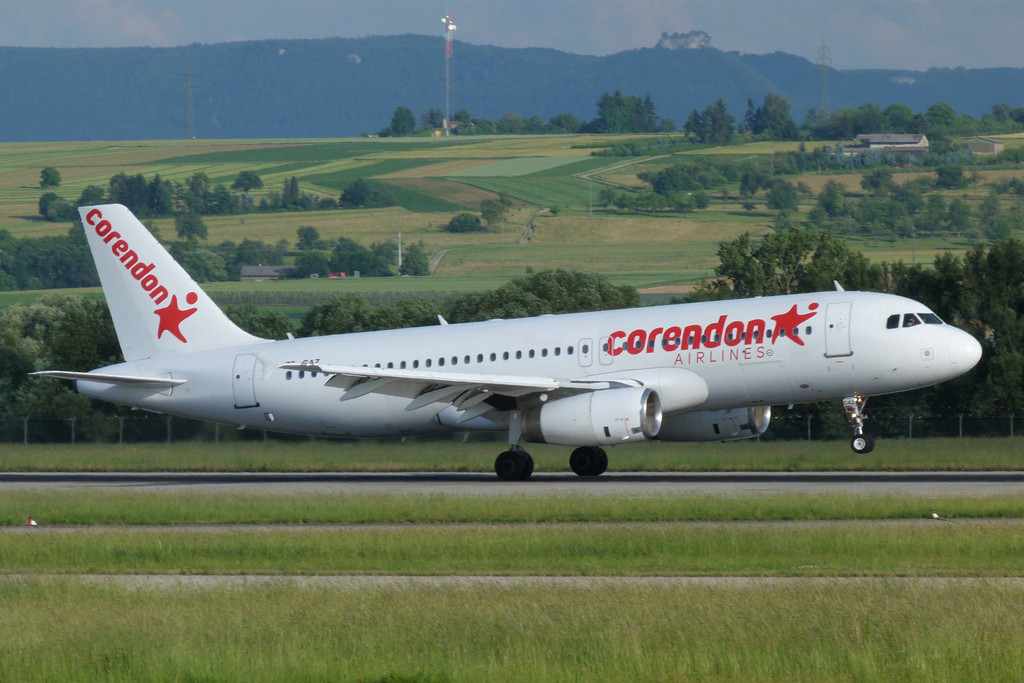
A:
586, 352
242, 378
837, 330
604, 351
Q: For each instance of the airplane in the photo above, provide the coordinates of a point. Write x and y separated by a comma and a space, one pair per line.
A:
707, 371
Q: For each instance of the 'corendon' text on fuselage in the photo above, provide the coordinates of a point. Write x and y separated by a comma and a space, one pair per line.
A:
720, 333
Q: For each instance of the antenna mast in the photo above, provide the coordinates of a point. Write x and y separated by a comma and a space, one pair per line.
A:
824, 62
449, 32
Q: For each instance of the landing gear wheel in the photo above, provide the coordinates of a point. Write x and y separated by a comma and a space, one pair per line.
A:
588, 461
513, 465
862, 443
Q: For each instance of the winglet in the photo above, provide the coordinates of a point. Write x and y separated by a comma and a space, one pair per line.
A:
156, 306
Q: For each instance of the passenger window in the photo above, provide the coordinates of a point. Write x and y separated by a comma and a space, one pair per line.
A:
494, 356
402, 365
415, 364
531, 353
428, 362
568, 349
519, 355
544, 353
892, 322
558, 350
504, 356
288, 375
440, 362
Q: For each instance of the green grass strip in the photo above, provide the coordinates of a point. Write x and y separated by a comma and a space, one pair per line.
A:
66, 630
478, 456
83, 506
827, 549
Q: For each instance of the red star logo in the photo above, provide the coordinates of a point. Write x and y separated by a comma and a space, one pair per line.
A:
791, 320
171, 316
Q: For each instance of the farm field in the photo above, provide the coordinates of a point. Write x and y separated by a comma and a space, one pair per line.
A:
433, 179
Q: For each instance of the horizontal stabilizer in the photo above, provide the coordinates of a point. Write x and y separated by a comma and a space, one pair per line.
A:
127, 380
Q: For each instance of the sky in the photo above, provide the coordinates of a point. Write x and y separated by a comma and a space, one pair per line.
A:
890, 34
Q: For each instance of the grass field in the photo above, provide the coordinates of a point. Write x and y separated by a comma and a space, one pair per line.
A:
65, 630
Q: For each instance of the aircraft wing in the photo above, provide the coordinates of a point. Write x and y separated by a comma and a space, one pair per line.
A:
463, 390
142, 382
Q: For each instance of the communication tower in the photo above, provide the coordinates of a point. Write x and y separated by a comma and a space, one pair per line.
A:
449, 32
824, 62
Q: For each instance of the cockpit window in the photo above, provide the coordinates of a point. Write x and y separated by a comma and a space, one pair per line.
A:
930, 318
892, 322
909, 320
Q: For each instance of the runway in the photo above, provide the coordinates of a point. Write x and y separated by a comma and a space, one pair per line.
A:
480, 484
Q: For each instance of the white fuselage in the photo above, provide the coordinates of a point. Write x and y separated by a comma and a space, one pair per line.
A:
844, 345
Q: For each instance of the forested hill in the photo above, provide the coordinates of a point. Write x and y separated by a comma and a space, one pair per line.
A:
343, 87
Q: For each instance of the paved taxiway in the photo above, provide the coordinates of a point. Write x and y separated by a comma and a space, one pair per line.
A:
645, 483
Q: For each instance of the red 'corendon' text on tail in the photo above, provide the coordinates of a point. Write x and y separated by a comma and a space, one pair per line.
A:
123, 251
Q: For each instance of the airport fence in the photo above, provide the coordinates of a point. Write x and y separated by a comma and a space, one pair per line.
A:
167, 429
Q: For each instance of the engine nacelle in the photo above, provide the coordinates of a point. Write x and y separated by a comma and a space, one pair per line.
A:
716, 425
596, 418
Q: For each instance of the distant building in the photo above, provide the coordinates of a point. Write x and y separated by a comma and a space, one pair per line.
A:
984, 146
694, 40
912, 144
263, 273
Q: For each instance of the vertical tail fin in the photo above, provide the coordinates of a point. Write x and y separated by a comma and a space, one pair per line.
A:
156, 306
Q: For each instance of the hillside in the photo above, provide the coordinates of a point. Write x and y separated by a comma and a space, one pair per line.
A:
343, 87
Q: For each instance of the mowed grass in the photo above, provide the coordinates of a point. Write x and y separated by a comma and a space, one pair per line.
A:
477, 455
69, 630
924, 548
156, 506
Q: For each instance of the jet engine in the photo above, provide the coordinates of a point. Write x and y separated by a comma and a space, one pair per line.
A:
596, 418
716, 425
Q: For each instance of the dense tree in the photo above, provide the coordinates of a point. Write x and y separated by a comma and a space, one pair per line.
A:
309, 238
351, 257
772, 119
403, 122
431, 118
618, 113
494, 211
360, 194
464, 222
415, 260
262, 323
49, 177
189, 226
247, 181
782, 196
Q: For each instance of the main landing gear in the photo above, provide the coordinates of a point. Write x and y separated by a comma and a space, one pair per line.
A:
862, 442
515, 464
588, 461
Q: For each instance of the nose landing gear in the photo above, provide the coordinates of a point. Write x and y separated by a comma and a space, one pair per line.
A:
862, 442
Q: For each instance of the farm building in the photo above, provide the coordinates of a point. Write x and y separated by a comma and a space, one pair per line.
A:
984, 146
913, 144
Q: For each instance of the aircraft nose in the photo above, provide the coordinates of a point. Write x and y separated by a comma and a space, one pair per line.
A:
964, 351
